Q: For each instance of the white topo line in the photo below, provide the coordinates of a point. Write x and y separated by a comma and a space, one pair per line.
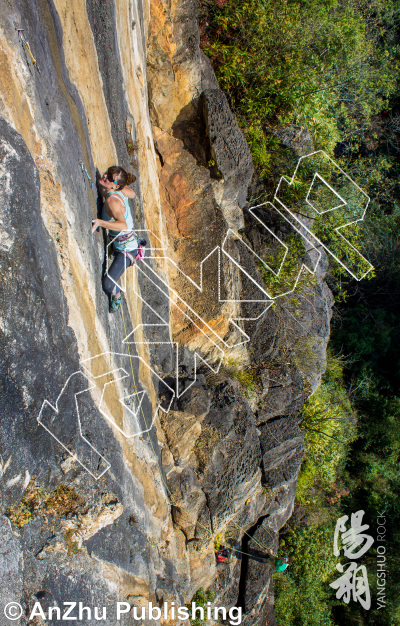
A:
218, 343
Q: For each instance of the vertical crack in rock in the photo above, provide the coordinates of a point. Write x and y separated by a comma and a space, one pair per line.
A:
247, 547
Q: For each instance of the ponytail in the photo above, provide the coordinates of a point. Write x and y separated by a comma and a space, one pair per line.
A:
130, 178
120, 176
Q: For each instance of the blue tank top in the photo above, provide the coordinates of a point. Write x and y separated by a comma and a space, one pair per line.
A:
125, 239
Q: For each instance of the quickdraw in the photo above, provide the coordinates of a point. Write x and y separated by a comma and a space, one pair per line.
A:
25, 44
85, 172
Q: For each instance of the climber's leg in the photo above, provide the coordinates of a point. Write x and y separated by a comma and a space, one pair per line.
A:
115, 271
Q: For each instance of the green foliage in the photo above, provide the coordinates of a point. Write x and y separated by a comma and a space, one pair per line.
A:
280, 269
38, 503
331, 66
329, 421
345, 245
200, 598
20, 514
244, 376
324, 65
369, 330
260, 145
303, 595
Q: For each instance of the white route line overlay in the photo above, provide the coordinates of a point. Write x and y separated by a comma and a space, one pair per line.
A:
344, 203
218, 342
55, 409
102, 408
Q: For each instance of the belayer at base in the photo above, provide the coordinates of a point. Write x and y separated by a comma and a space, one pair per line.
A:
279, 564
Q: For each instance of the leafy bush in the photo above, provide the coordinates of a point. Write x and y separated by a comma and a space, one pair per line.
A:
200, 598
329, 421
325, 65
303, 596
39, 503
331, 66
244, 376
284, 274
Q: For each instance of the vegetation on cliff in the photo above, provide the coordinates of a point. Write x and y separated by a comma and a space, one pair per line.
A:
330, 69
327, 66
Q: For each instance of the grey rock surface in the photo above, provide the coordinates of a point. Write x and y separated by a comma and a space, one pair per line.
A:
11, 563
296, 138
228, 147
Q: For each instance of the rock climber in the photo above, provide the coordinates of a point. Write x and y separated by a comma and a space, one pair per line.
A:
113, 186
279, 564
222, 554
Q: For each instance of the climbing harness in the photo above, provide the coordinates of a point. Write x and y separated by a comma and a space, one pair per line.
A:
85, 172
141, 246
25, 45
125, 241
142, 243
125, 238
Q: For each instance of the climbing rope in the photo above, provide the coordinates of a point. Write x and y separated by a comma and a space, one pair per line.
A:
170, 495
254, 556
161, 474
250, 537
25, 45
85, 172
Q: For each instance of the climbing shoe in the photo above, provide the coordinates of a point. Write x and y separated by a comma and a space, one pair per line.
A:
115, 303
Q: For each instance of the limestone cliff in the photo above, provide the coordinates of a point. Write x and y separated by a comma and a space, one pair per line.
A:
128, 442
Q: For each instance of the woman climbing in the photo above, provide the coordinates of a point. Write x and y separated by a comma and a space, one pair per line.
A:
113, 187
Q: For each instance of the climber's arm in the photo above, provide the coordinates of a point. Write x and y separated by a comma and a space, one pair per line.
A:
117, 210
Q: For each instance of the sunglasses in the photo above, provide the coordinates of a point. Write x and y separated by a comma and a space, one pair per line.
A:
110, 178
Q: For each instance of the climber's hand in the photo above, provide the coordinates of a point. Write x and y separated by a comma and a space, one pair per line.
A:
95, 225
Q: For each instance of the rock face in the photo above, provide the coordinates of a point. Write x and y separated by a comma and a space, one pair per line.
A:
231, 153
177, 420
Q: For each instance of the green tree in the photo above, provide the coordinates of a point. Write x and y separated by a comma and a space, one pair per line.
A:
325, 65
